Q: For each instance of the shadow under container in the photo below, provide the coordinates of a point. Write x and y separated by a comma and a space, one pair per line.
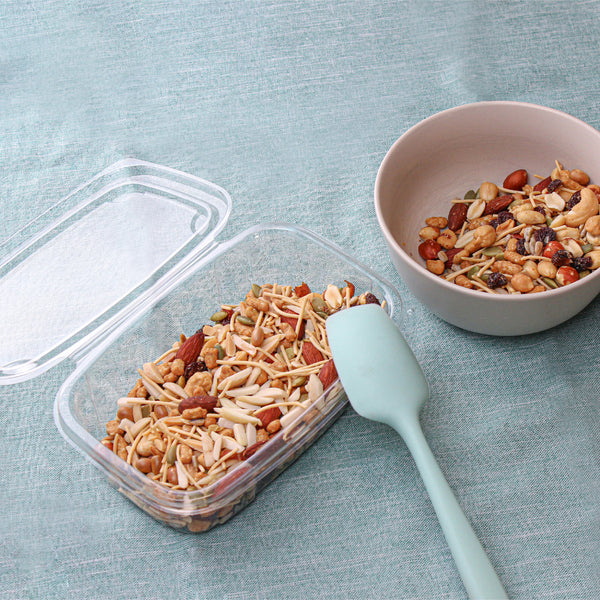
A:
177, 296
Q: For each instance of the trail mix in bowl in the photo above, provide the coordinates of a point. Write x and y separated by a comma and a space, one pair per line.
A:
214, 398
517, 238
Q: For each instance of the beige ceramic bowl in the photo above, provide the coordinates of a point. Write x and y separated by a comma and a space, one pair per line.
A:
454, 151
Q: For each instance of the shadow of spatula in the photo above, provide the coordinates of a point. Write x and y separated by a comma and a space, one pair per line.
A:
384, 383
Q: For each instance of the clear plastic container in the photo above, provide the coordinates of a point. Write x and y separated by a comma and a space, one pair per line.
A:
141, 289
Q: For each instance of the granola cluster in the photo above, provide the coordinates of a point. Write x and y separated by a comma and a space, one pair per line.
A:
517, 238
213, 399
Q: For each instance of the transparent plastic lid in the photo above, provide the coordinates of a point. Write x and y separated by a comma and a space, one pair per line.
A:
74, 272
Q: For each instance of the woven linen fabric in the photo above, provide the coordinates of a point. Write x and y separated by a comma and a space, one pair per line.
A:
290, 106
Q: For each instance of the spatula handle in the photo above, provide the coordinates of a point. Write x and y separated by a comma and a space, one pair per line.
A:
476, 571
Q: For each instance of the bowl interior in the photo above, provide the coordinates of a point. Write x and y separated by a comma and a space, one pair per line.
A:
456, 150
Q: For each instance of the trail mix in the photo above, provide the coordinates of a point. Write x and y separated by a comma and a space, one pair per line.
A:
214, 398
517, 238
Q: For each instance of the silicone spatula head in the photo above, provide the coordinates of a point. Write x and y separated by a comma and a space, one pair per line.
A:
380, 374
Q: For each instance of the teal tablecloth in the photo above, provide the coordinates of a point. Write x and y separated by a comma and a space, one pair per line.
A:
291, 106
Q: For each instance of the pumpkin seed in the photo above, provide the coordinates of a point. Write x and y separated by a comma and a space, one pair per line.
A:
493, 251
221, 352
484, 277
245, 320
171, 455
470, 195
218, 316
586, 248
145, 411
256, 289
550, 282
290, 353
298, 381
472, 272
318, 304
322, 314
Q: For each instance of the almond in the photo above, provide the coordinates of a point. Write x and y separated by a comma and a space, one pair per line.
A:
542, 185
268, 415
250, 450
302, 290
310, 353
516, 180
328, 374
190, 349
457, 216
450, 253
292, 321
207, 402
498, 204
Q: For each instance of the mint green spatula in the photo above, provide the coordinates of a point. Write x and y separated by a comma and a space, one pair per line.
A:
384, 383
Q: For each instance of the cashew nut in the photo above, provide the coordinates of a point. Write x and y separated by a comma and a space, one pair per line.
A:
484, 236
587, 207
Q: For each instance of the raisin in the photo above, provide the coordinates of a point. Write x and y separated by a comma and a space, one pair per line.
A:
521, 247
502, 217
544, 235
561, 258
554, 185
194, 367
581, 263
540, 209
496, 280
371, 298
575, 198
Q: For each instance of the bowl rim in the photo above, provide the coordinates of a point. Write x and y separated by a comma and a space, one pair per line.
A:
419, 269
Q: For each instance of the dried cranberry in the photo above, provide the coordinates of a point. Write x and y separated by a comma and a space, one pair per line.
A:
371, 298
581, 263
496, 280
521, 247
561, 258
554, 185
544, 235
194, 367
573, 200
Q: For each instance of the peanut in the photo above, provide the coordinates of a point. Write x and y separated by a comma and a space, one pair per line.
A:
506, 267
429, 233
439, 222
579, 176
595, 256
547, 269
464, 282
447, 239
592, 225
531, 217
435, 266
488, 191
522, 283
530, 268
515, 257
